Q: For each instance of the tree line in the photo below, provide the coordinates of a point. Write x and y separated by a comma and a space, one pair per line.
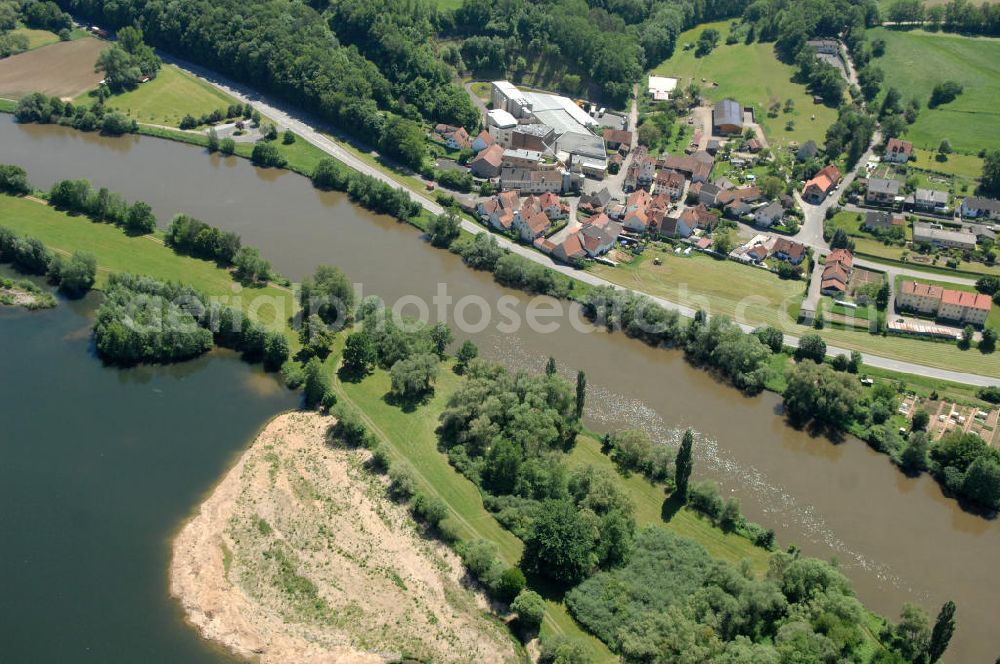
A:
74, 276
365, 190
145, 320
954, 16
36, 107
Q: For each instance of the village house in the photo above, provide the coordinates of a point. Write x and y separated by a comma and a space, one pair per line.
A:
736, 209
788, 250
825, 46
455, 138
882, 191
641, 172
982, 232
570, 250
756, 254
599, 235
820, 186
981, 208
880, 220
769, 215
898, 151
699, 216
745, 194
694, 168
637, 200
534, 226
482, 141
837, 272
595, 202
670, 183
936, 235
636, 221
552, 206
487, 163
501, 211
537, 182
617, 138
929, 200
674, 227
952, 305
708, 194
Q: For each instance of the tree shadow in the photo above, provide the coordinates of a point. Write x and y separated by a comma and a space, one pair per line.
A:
352, 374
671, 506
408, 404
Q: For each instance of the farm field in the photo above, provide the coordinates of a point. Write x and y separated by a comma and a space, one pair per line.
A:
915, 61
965, 166
756, 297
751, 74
169, 97
64, 69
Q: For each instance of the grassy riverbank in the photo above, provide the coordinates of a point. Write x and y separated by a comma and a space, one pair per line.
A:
117, 252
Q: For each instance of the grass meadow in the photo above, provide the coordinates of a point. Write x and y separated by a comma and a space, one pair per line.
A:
753, 75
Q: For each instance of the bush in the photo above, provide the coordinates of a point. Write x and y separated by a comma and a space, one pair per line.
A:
267, 155
511, 583
530, 609
76, 276
704, 497
429, 508
401, 484
14, 180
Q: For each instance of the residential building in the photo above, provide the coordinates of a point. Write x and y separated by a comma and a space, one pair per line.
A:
501, 211
595, 202
708, 194
755, 254
930, 200
744, 194
552, 206
982, 232
882, 191
537, 181
976, 207
837, 272
637, 200
599, 235
935, 234
769, 215
963, 307
670, 183
699, 217
534, 226
636, 221
789, 250
616, 138
570, 250
737, 209
953, 305
825, 46
879, 220
487, 163
727, 117
455, 138
482, 141
898, 151
820, 186
695, 168
674, 227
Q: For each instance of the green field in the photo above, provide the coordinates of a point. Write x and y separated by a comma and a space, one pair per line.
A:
756, 297
169, 97
117, 252
751, 74
916, 61
966, 166
36, 38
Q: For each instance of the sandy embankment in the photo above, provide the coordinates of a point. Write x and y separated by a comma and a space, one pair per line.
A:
297, 556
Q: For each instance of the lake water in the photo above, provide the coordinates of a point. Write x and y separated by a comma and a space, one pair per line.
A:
898, 539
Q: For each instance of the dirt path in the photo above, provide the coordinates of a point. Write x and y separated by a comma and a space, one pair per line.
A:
298, 556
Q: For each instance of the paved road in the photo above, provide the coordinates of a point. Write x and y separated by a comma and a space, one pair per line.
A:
308, 128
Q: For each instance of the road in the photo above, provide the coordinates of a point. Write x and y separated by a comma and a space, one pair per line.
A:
309, 127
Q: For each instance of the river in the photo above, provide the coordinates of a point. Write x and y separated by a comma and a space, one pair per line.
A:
898, 539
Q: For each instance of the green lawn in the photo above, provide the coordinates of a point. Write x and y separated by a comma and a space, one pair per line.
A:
966, 166
720, 286
915, 61
36, 38
751, 74
169, 97
117, 252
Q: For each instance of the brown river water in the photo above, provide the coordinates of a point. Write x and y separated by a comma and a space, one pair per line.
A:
898, 539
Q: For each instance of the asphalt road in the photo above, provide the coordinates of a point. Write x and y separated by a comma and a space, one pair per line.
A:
308, 127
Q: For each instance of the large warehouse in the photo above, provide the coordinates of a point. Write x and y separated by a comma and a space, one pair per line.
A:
727, 117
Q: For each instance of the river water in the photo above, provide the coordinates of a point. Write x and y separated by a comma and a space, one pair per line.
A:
898, 539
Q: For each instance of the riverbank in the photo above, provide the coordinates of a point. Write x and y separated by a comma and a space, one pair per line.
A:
297, 555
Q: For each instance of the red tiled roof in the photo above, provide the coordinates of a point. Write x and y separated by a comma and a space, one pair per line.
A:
832, 284
967, 300
538, 223
922, 290
492, 155
899, 146
618, 136
842, 256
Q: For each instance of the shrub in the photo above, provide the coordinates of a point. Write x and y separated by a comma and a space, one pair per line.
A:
530, 609
401, 484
